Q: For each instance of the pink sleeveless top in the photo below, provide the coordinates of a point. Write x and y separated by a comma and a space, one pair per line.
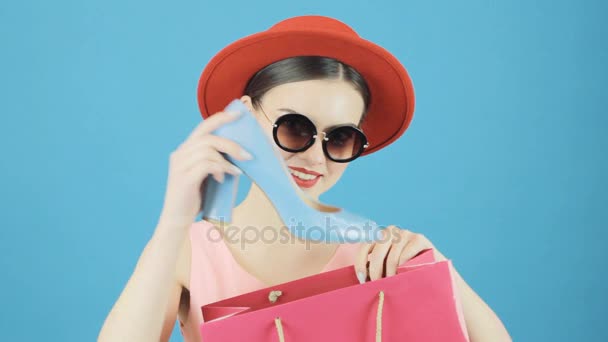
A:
216, 275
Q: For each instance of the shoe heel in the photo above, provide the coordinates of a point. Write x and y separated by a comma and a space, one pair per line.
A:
218, 199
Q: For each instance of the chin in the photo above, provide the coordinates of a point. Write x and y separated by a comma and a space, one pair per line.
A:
316, 193
312, 192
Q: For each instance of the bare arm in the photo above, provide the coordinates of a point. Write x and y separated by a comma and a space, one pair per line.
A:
149, 301
147, 307
482, 323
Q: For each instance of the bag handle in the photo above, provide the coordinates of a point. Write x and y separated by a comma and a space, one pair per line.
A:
379, 316
279, 325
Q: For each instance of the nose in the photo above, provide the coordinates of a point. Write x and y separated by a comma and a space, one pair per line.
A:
314, 154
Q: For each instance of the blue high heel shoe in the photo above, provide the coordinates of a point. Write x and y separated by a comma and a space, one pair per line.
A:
304, 217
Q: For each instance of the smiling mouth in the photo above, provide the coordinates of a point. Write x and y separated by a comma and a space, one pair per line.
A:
304, 179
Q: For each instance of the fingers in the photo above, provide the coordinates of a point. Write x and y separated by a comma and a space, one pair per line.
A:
221, 166
213, 122
393, 258
202, 152
200, 156
383, 258
361, 261
416, 244
220, 144
214, 169
207, 155
378, 254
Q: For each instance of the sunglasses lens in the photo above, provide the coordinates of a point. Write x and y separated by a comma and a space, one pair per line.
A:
345, 143
294, 132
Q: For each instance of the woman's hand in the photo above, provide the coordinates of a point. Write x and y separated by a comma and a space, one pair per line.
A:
195, 159
382, 258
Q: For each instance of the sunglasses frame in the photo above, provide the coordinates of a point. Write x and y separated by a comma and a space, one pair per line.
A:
326, 134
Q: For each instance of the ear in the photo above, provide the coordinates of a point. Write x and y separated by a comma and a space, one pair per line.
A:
246, 99
248, 102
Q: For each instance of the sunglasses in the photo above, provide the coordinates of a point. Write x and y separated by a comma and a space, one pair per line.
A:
295, 132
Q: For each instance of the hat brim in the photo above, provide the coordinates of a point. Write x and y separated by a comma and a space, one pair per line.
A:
392, 95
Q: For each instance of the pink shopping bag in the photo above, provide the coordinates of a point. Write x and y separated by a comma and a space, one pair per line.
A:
419, 303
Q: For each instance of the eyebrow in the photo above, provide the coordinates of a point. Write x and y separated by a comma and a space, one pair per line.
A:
289, 110
292, 111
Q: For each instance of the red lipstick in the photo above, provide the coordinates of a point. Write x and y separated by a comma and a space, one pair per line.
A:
305, 183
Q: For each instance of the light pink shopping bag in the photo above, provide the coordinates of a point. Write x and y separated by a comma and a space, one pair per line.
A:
418, 304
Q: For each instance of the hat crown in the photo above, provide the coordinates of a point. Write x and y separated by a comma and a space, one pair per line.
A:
227, 74
313, 23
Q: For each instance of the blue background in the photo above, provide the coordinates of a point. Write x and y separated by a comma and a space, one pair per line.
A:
503, 168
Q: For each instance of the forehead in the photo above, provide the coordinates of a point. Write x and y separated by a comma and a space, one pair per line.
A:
325, 102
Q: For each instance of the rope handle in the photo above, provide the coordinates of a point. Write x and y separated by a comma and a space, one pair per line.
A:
279, 325
379, 317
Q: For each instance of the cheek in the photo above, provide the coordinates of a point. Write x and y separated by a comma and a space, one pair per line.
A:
336, 169
263, 122
284, 154
269, 134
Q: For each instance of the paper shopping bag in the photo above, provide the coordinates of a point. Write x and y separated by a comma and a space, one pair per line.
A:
419, 303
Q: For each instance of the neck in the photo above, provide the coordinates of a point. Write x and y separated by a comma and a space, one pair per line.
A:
269, 238
257, 210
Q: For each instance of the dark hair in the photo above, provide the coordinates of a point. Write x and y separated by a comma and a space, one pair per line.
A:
305, 68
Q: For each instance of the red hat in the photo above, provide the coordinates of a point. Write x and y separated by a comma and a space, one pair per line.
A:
392, 95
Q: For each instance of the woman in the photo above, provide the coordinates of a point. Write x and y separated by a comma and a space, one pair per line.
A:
310, 65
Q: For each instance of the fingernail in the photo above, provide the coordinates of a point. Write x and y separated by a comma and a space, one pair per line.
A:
237, 170
361, 277
246, 154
